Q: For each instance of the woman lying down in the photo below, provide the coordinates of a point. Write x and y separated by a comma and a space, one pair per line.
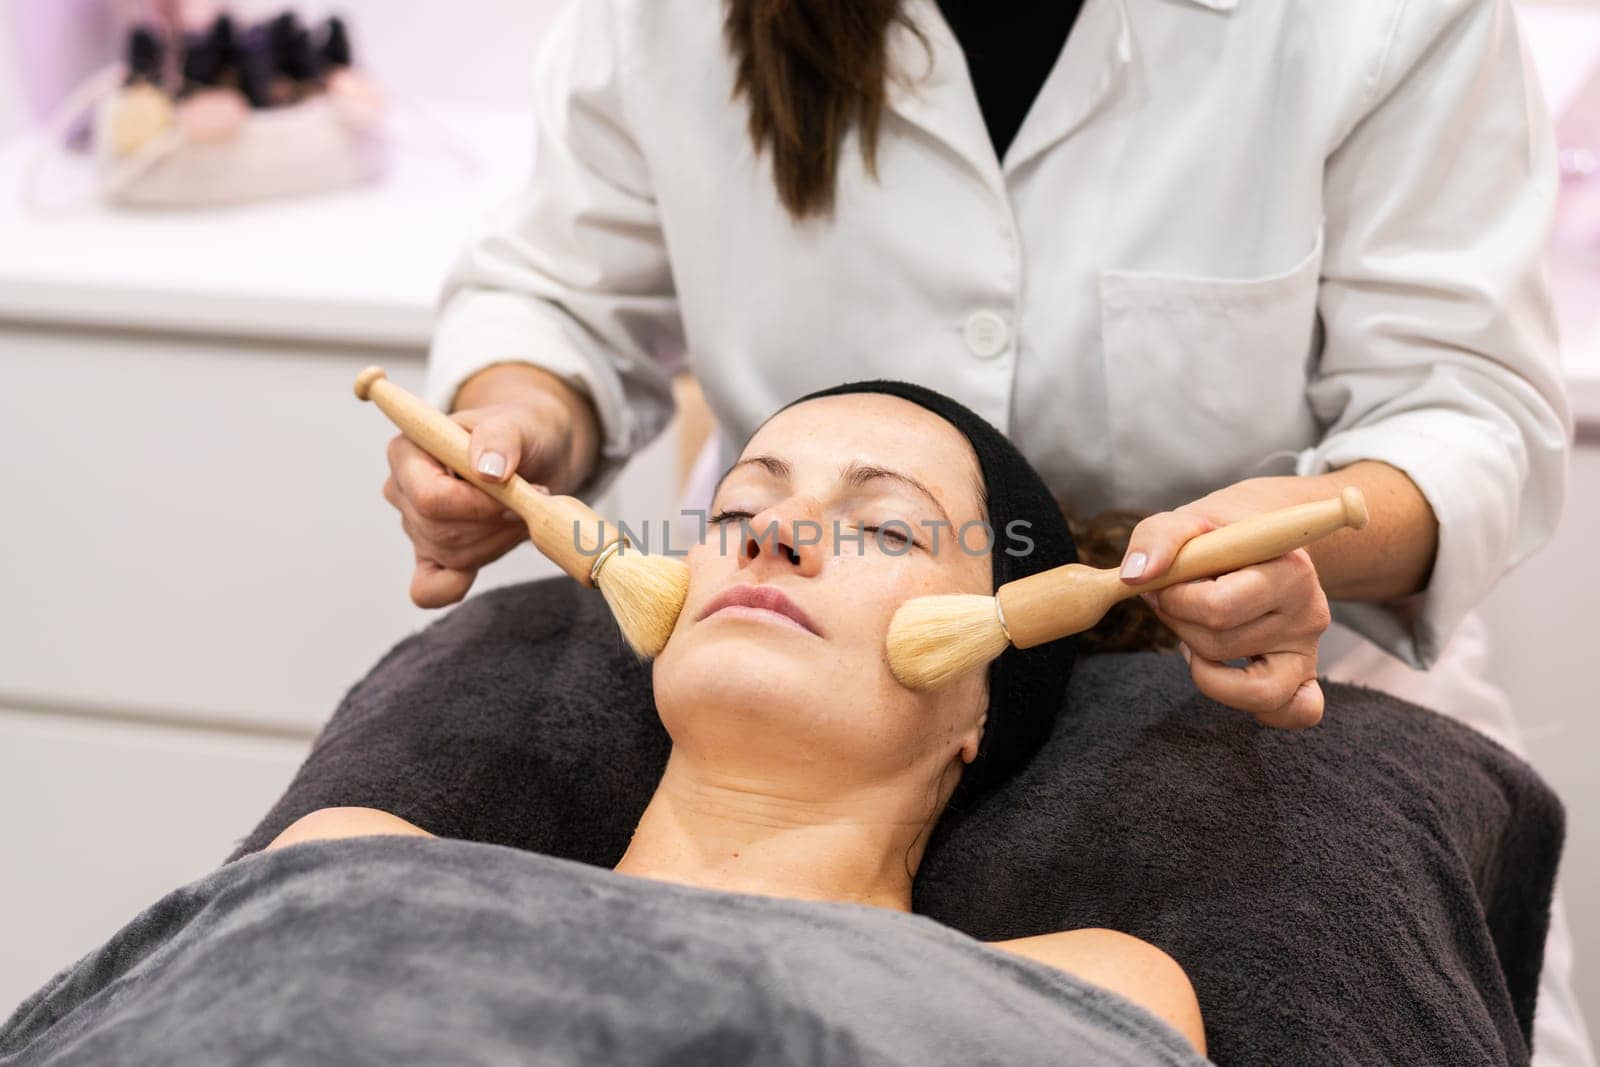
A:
762, 912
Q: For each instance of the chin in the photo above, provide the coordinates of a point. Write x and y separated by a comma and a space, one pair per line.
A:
752, 670
743, 655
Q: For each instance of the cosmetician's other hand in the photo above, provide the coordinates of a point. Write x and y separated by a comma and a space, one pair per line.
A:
1272, 613
524, 421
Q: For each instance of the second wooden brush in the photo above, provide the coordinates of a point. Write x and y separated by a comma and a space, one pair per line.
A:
645, 593
934, 640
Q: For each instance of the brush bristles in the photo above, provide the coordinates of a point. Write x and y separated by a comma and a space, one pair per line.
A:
645, 594
933, 640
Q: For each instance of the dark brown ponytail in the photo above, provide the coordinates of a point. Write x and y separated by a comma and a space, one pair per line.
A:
810, 70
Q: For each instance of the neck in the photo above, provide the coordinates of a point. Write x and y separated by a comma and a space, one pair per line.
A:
751, 834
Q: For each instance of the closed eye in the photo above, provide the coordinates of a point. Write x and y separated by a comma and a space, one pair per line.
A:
895, 534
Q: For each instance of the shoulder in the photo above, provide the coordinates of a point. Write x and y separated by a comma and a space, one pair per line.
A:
643, 56
1127, 966
1446, 36
327, 823
661, 29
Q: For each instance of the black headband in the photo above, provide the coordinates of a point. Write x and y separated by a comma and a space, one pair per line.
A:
1026, 686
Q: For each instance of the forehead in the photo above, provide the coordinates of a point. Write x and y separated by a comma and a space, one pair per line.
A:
820, 436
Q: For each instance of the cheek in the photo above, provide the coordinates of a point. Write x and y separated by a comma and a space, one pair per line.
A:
709, 571
867, 591
930, 721
873, 590
886, 583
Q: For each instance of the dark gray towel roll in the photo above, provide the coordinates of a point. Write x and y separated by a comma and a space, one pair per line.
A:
1374, 890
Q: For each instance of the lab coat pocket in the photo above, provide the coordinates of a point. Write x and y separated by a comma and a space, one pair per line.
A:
1206, 377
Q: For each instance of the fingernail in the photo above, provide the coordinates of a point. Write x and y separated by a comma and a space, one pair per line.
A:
492, 464
1133, 566
510, 516
1183, 650
1148, 598
545, 489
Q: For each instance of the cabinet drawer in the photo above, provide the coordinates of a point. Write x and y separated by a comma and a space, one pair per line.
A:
98, 820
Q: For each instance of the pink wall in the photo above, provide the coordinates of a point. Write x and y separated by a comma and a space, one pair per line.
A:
54, 44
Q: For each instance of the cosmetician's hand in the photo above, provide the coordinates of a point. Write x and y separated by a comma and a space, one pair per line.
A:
1274, 613
455, 527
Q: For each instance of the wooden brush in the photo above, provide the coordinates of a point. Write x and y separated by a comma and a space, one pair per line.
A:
645, 593
934, 640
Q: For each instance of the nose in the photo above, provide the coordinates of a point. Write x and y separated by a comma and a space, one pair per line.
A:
786, 536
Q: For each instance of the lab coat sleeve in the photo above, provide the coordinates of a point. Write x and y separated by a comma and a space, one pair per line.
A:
1440, 354
572, 275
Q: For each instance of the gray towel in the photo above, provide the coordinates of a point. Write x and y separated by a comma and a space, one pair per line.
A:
412, 950
1374, 890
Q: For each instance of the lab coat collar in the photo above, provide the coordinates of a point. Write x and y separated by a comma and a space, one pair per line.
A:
929, 86
1090, 67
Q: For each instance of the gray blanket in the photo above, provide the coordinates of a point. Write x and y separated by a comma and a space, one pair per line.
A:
391, 950
1374, 890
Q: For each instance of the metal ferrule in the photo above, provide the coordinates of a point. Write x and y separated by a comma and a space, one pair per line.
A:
1000, 613
605, 553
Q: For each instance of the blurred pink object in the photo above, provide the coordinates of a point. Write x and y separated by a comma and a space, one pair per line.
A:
1578, 130
212, 115
1575, 244
357, 100
191, 16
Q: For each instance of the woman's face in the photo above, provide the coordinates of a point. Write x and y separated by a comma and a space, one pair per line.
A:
850, 506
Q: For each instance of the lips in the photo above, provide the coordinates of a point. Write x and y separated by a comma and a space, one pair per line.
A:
762, 597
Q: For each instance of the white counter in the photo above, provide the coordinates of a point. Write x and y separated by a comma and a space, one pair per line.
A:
356, 267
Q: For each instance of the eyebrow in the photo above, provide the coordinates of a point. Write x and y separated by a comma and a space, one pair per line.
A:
858, 475
771, 464
855, 474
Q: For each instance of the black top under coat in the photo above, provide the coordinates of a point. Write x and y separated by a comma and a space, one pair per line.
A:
1011, 47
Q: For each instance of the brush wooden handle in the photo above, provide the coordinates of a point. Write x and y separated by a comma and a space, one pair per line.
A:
562, 527
1067, 600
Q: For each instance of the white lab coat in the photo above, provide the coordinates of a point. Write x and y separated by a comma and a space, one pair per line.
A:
1231, 238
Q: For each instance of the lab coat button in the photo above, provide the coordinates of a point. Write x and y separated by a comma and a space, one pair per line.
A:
986, 334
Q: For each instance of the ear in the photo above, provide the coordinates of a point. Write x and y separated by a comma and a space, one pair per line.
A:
969, 744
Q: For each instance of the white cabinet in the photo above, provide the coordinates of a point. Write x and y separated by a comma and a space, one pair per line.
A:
1542, 626
102, 818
